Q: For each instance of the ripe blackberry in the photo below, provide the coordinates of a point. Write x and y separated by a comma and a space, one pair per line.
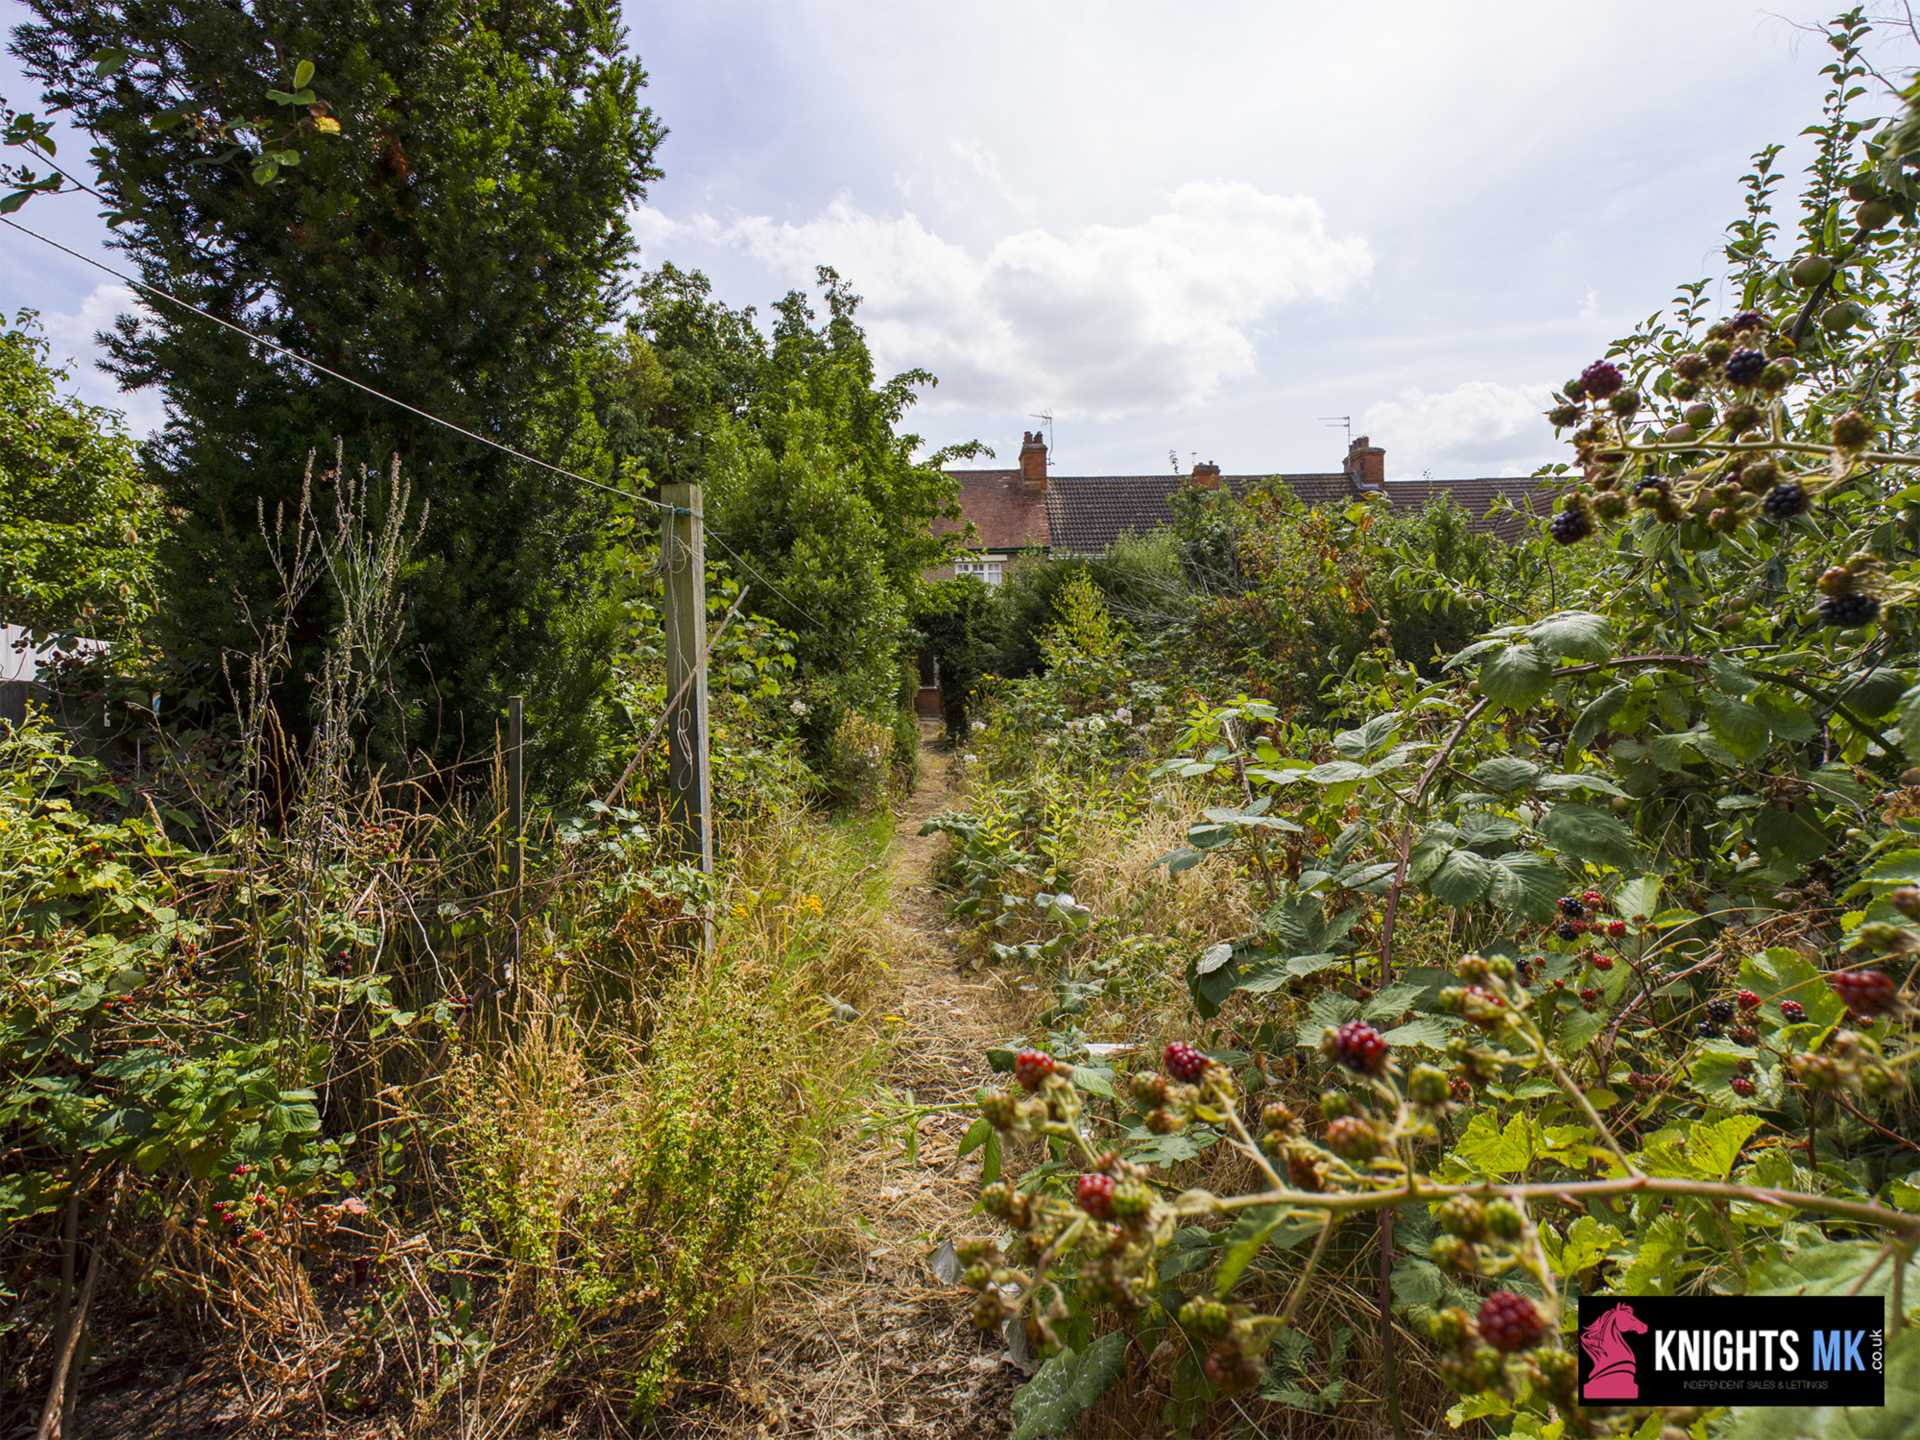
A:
1184, 1062
1720, 1010
1785, 500
1030, 1067
1866, 993
1744, 366
1572, 907
1509, 1322
1358, 1046
1792, 1011
1707, 1030
1095, 1194
1570, 527
1746, 320
1849, 612
1600, 379
1742, 1086
1568, 930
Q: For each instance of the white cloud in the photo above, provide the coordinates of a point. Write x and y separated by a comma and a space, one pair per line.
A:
1498, 428
1104, 320
71, 344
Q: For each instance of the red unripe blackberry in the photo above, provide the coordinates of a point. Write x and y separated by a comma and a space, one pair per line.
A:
1593, 899
1358, 1046
1509, 1322
1747, 1000
1785, 500
1616, 929
1095, 1195
1744, 1035
1600, 379
1744, 366
1742, 1086
1849, 612
1569, 527
1865, 993
1603, 962
1792, 1011
1184, 1062
1352, 1138
1588, 995
1030, 1067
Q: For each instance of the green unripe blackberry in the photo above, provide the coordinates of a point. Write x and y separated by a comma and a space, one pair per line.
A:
1278, 1116
1464, 1216
1131, 1199
1335, 1103
1451, 1252
1450, 1327
1564, 415
1352, 1138
1690, 366
1205, 1317
1625, 402
1906, 900
1835, 580
1742, 418
1777, 375
1504, 1220
1759, 477
1610, 507
1427, 1085
1686, 389
1853, 431
1717, 351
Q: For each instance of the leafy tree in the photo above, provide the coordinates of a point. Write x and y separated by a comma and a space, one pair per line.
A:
807, 473
450, 227
77, 521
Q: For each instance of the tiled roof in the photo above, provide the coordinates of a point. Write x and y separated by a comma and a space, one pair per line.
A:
1087, 513
1481, 499
1010, 513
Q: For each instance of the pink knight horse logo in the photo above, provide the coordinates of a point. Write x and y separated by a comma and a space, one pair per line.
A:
1613, 1376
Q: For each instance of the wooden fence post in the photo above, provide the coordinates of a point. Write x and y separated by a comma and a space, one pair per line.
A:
683, 564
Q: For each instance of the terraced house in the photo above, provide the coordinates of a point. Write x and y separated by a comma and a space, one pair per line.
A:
1026, 511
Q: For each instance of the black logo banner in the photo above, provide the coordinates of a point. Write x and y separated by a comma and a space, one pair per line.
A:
1732, 1350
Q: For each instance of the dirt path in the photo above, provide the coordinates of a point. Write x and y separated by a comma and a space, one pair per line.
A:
873, 1343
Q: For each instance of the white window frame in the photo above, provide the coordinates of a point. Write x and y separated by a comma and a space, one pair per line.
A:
990, 572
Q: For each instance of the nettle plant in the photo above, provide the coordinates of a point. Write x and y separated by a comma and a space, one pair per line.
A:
1603, 946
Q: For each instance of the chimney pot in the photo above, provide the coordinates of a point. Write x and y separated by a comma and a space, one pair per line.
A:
1206, 476
1366, 465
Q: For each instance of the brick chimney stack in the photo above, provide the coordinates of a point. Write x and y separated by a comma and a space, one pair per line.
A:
1206, 475
1366, 465
1033, 458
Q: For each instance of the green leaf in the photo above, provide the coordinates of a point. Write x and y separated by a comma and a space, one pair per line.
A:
1526, 884
1250, 1233
1505, 774
1068, 1386
1492, 1151
1909, 722
1589, 834
1699, 1152
303, 75
1638, 897
1586, 1243
1573, 635
1515, 676
1593, 719
1424, 1032
1786, 716
1788, 835
1462, 879
1737, 725
1892, 1421
1370, 738
1781, 974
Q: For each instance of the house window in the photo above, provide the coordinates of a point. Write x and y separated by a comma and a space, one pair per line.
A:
989, 571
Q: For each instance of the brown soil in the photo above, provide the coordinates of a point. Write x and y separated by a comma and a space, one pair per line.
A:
873, 1343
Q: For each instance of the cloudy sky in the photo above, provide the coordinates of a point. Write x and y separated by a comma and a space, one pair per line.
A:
1183, 229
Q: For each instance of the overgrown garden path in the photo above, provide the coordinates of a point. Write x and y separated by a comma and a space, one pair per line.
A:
872, 1342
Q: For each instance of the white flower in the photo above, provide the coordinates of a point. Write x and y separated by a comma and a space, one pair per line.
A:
1123, 716
971, 759
799, 707
1096, 722
978, 726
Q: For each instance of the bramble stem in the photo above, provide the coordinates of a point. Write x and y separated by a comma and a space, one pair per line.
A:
1863, 1212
